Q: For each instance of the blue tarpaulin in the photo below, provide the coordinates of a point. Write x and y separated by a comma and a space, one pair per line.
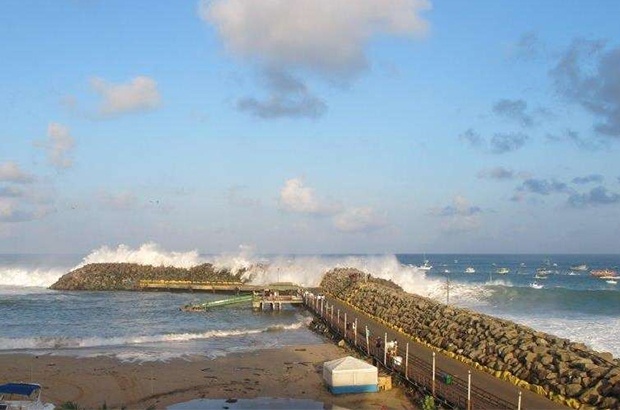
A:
25, 389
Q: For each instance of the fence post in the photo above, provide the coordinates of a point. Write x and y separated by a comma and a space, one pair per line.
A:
433, 374
469, 390
367, 342
407, 361
519, 402
337, 320
355, 333
344, 327
385, 350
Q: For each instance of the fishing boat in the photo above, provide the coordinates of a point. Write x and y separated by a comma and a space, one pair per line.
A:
470, 269
536, 285
542, 273
22, 396
425, 266
502, 271
579, 268
604, 273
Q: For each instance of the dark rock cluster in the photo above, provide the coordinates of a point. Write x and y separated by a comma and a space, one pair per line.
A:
127, 276
567, 372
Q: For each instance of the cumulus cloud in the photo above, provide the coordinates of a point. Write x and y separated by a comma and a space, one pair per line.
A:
363, 219
296, 197
11, 172
596, 196
289, 97
324, 36
500, 173
587, 74
588, 179
502, 143
59, 145
459, 216
514, 110
139, 94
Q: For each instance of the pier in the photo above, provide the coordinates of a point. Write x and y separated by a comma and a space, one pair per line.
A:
266, 297
275, 296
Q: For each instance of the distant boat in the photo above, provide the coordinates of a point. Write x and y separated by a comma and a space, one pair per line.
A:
536, 285
502, 271
470, 269
446, 271
612, 281
425, 266
604, 273
542, 273
579, 268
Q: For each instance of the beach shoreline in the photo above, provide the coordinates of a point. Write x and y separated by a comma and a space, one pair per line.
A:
293, 372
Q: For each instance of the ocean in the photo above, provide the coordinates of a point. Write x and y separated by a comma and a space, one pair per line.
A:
144, 326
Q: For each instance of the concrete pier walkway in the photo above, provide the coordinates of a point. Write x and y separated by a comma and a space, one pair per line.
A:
488, 392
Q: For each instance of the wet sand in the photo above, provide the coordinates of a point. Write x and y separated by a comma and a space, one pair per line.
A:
290, 372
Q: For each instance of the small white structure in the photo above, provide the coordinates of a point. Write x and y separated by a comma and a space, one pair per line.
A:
350, 375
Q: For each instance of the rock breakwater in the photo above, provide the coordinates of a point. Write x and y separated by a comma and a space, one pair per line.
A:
127, 276
565, 371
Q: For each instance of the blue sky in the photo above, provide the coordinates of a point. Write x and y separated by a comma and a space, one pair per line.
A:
310, 126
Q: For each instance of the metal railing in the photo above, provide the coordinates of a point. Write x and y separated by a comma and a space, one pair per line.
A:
425, 376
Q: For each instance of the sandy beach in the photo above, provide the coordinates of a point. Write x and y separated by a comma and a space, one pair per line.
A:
290, 372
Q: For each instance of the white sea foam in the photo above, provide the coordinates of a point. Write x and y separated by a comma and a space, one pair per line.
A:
28, 277
146, 254
90, 342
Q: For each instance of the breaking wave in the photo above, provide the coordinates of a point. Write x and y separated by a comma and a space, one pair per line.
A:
59, 342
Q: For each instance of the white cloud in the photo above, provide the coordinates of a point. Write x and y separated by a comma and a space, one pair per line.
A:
21, 210
363, 219
326, 36
297, 198
11, 172
139, 94
459, 216
59, 145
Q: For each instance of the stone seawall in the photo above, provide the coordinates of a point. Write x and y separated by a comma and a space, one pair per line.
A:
126, 276
564, 371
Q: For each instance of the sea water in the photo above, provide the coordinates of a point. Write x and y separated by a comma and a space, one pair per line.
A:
150, 326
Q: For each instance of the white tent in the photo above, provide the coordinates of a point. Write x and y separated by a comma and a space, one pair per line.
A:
350, 375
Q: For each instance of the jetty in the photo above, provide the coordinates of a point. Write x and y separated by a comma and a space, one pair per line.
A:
199, 307
190, 286
268, 297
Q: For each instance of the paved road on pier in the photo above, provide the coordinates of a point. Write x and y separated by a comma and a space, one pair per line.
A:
488, 392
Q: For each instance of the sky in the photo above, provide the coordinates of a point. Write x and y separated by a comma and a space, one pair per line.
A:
310, 126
